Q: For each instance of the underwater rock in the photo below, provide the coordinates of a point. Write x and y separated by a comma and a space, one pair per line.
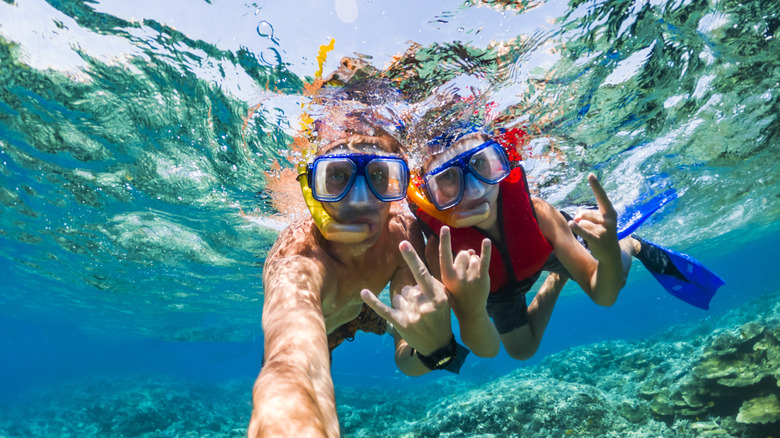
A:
634, 411
709, 429
725, 344
734, 379
760, 410
141, 407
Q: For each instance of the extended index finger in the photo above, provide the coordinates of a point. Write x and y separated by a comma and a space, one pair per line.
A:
605, 205
416, 265
485, 256
445, 253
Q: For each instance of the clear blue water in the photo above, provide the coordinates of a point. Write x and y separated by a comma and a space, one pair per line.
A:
135, 140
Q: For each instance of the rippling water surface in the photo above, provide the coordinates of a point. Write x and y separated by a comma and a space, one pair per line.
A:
137, 138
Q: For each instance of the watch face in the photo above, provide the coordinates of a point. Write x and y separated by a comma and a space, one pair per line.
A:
443, 362
440, 358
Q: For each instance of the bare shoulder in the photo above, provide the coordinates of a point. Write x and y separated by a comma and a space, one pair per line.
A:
404, 226
544, 211
300, 238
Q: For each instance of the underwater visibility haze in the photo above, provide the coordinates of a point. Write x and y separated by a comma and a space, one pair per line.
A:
144, 146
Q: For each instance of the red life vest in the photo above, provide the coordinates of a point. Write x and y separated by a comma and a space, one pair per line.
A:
517, 258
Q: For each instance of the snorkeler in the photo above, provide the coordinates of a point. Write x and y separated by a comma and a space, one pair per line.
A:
471, 195
315, 273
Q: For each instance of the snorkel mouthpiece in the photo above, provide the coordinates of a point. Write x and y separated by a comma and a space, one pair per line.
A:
330, 229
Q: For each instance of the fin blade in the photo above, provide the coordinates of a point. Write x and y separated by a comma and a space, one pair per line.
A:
699, 284
693, 270
636, 214
692, 294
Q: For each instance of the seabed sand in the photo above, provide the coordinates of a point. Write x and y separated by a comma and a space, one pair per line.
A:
714, 378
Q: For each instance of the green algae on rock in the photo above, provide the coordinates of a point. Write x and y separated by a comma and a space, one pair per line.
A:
736, 377
760, 410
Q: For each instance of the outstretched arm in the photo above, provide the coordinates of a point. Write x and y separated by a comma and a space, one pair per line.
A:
294, 396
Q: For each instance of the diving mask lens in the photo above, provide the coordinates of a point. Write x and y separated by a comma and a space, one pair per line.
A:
387, 178
446, 188
490, 164
334, 176
445, 184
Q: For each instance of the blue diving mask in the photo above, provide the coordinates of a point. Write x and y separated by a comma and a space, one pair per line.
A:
446, 183
331, 177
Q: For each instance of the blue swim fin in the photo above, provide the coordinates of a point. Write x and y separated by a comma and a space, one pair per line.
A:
637, 213
680, 274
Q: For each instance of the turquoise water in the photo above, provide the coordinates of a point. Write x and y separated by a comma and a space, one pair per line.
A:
135, 141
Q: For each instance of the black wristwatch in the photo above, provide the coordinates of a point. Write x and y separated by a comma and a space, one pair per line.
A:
450, 357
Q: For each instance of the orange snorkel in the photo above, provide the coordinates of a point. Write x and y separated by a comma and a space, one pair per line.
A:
450, 217
417, 195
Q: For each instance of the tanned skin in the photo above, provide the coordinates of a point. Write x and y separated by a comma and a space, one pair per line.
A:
313, 285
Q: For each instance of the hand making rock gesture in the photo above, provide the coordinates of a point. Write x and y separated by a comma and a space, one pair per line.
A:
598, 227
467, 277
421, 313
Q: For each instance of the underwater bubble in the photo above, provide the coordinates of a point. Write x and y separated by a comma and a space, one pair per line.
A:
271, 57
347, 10
265, 30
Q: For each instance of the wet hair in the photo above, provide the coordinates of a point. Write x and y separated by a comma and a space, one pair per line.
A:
425, 163
439, 122
379, 137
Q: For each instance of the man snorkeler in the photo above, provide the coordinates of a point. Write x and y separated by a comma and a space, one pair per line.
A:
315, 273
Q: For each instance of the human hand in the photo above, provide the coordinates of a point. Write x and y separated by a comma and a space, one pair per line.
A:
598, 227
466, 278
421, 313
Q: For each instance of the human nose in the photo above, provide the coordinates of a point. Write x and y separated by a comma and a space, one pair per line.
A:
359, 194
475, 188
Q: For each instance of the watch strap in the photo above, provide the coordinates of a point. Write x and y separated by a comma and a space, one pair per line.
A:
450, 357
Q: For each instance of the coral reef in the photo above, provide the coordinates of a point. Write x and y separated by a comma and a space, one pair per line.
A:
736, 378
141, 407
708, 379
712, 378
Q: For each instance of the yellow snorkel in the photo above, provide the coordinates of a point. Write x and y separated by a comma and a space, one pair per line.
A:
330, 229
